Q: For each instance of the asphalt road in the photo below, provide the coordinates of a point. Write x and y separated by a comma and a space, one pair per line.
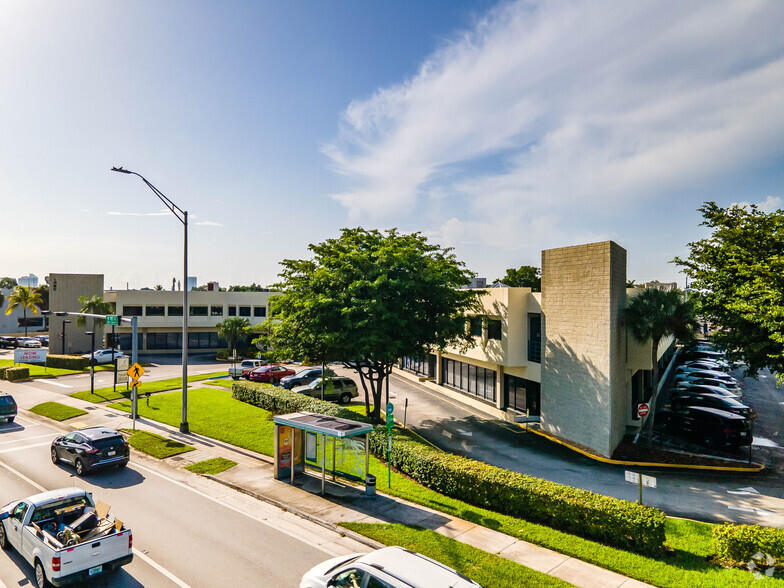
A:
188, 531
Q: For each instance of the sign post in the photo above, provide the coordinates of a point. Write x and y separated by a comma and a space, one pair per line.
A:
641, 480
114, 321
135, 372
390, 424
643, 409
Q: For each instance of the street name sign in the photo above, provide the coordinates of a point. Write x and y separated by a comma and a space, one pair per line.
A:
113, 320
635, 478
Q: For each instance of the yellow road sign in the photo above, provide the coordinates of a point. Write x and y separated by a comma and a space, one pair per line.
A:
135, 371
135, 383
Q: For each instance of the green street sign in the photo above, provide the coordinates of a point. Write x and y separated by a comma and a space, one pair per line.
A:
113, 319
390, 408
390, 421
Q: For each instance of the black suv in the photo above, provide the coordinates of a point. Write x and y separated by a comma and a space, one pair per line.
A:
710, 426
90, 449
7, 407
303, 377
712, 400
8, 343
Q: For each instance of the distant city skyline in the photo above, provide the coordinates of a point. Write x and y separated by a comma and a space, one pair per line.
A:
497, 128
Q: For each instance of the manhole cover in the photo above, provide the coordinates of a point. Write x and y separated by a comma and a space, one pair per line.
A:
176, 458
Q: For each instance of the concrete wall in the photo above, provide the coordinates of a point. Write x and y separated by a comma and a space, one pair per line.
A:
64, 293
584, 392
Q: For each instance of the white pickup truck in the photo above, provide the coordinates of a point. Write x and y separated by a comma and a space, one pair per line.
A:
245, 368
65, 536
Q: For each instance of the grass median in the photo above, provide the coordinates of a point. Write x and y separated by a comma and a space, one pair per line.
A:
155, 445
213, 466
57, 411
214, 413
108, 393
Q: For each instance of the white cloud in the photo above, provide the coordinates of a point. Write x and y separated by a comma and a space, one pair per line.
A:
161, 213
770, 204
208, 224
572, 105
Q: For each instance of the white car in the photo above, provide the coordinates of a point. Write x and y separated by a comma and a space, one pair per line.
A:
390, 567
104, 356
28, 342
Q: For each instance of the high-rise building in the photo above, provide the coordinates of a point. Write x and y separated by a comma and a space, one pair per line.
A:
30, 281
192, 283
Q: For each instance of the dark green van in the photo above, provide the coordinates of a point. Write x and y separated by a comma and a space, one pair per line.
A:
7, 407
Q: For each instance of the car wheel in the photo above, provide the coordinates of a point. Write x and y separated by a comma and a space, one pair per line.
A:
345, 398
80, 469
55, 459
11, 419
3, 538
235, 377
40, 575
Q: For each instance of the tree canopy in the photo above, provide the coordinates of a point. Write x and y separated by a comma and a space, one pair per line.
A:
738, 275
93, 305
8, 283
368, 298
526, 276
232, 329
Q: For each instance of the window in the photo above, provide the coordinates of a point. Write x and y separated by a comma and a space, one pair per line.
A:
216, 310
259, 311
244, 310
124, 340
132, 311
476, 326
474, 380
424, 366
31, 322
204, 340
232, 311
535, 338
164, 340
154, 310
175, 311
522, 395
198, 311
494, 329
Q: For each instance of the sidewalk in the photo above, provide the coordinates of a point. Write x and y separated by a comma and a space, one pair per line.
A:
253, 475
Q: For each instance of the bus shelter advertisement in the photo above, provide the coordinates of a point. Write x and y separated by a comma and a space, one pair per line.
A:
22, 355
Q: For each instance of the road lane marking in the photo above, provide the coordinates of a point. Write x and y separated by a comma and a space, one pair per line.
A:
52, 383
144, 557
25, 439
234, 508
25, 447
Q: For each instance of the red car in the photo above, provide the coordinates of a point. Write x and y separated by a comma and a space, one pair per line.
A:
270, 373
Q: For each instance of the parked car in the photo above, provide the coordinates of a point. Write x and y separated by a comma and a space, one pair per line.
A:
65, 536
303, 377
8, 408
697, 381
245, 368
712, 400
390, 567
270, 373
338, 389
703, 364
8, 342
710, 427
104, 356
703, 389
93, 448
713, 374
44, 339
27, 342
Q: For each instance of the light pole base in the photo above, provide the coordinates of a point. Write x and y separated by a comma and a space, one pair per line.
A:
184, 428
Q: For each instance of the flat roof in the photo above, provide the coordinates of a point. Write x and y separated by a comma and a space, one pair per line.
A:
326, 425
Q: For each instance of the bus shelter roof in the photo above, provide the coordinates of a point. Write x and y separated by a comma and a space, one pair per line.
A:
323, 424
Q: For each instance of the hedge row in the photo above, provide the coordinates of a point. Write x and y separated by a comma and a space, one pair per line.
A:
12, 374
738, 544
610, 520
67, 362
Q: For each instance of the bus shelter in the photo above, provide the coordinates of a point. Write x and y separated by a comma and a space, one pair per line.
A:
302, 440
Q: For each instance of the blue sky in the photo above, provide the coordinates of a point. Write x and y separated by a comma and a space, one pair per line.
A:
499, 129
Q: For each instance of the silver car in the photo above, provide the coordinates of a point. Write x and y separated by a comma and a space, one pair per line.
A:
338, 389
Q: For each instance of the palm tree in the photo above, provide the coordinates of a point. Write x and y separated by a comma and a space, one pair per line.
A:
93, 305
27, 298
231, 329
652, 315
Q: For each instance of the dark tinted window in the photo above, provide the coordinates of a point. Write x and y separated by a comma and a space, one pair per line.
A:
198, 311
132, 310
155, 310
494, 329
175, 311
6, 401
106, 442
244, 310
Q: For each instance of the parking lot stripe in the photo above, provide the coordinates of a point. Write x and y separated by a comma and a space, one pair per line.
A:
26, 439
25, 447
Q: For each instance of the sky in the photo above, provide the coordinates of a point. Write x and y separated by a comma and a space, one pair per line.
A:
496, 128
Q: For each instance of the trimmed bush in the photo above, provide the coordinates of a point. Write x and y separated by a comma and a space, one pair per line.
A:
2, 372
738, 544
12, 374
67, 362
610, 520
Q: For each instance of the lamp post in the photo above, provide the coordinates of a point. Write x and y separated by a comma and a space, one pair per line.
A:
62, 335
182, 216
92, 360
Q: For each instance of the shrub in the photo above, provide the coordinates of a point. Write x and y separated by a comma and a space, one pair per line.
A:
610, 520
738, 544
2, 372
12, 374
67, 362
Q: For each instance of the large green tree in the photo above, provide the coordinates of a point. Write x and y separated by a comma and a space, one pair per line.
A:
368, 298
526, 276
738, 277
232, 329
652, 315
8, 283
93, 305
25, 297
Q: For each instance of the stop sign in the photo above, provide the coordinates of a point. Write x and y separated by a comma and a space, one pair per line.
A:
643, 409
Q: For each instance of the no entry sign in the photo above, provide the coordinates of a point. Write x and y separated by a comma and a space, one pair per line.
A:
643, 409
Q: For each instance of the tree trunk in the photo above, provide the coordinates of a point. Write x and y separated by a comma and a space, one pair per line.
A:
654, 391
373, 385
24, 314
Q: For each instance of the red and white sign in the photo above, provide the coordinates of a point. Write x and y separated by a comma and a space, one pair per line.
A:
32, 355
643, 409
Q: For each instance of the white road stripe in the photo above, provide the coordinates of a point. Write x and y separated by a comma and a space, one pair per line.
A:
26, 439
23, 447
144, 557
47, 381
234, 508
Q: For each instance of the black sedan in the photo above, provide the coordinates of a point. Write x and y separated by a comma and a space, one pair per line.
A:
90, 449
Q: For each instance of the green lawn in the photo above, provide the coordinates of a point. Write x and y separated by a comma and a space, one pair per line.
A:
214, 413
57, 411
489, 570
106, 394
157, 446
226, 382
212, 466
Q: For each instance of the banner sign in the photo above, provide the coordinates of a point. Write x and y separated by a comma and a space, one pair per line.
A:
32, 355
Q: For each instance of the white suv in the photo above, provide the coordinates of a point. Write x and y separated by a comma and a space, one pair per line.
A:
390, 567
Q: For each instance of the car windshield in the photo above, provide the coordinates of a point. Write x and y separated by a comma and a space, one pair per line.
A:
107, 442
6, 400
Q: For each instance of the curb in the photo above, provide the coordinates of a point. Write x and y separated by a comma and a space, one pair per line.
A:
300, 513
756, 469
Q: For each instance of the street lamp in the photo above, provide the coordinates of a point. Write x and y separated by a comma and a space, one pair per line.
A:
62, 335
183, 218
92, 360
